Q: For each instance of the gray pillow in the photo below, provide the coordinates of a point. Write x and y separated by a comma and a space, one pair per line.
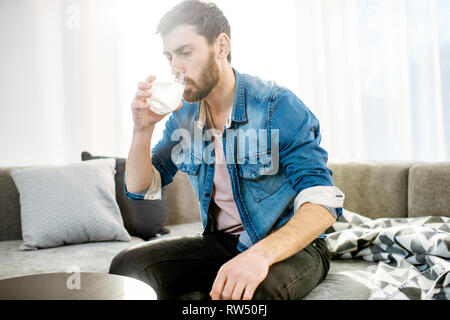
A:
142, 219
69, 204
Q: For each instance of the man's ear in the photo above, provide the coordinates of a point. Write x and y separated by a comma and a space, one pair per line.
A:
223, 46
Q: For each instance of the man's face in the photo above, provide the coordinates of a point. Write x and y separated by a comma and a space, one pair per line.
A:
189, 53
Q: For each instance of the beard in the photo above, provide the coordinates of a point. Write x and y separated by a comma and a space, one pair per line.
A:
209, 78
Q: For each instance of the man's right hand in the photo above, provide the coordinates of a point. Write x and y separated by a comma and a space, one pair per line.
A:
143, 117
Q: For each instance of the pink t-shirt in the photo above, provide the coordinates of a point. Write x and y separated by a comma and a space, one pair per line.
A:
224, 207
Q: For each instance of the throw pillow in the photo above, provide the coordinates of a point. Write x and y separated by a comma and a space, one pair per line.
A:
68, 204
143, 219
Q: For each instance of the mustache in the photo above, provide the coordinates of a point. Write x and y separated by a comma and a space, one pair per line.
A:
189, 81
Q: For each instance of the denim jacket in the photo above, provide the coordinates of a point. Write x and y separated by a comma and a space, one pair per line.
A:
271, 145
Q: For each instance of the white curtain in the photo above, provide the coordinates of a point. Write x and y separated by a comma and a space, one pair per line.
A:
375, 72
58, 81
69, 71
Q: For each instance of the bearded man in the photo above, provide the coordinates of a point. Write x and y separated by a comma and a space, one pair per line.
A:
265, 193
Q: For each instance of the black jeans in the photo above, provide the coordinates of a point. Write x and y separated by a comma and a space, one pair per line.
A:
175, 267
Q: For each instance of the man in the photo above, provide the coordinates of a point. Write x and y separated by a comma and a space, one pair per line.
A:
265, 193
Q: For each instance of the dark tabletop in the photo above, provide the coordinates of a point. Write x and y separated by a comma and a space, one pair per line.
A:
75, 286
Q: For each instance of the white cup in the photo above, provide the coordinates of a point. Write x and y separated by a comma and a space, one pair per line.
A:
166, 96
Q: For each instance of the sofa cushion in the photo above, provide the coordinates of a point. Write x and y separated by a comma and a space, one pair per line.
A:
429, 190
142, 219
88, 257
68, 204
374, 189
346, 280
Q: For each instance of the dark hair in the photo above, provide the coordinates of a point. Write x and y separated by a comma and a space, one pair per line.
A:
208, 19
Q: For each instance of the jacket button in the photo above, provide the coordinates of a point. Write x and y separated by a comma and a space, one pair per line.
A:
207, 194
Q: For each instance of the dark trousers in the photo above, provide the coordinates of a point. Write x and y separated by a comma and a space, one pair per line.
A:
180, 266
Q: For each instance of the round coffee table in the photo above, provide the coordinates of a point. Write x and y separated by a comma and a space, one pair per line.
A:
75, 286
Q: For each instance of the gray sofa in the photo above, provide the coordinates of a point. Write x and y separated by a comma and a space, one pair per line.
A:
373, 189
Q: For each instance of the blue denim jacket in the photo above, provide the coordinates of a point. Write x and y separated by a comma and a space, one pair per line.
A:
272, 153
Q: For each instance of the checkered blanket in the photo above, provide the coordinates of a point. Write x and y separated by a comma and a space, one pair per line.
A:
413, 254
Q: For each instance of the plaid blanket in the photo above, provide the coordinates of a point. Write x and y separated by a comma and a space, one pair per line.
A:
413, 254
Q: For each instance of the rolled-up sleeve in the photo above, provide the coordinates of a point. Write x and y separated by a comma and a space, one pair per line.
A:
153, 192
163, 167
329, 197
301, 155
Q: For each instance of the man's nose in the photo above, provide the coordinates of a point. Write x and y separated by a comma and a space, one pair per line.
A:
176, 66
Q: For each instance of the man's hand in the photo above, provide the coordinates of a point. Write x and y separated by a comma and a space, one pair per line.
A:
238, 278
241, 276
143, 117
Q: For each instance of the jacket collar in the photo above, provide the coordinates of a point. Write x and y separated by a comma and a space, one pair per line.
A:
239, 112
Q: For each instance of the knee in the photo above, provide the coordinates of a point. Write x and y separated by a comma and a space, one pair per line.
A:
133, 262
145, 262
292, 278
269, 289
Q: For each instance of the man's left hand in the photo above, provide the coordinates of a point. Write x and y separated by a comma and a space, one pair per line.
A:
240, 277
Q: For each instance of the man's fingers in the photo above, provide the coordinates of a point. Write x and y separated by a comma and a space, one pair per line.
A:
227, 290
238, 291
150, 79
216, 291
144, 85
139, 105
142, 95
147, 84
142, 105
249, 291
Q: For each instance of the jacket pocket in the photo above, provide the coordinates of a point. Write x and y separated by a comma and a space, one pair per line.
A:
188, 163
261, 175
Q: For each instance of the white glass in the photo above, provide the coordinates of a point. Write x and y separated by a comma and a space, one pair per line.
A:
166, 96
